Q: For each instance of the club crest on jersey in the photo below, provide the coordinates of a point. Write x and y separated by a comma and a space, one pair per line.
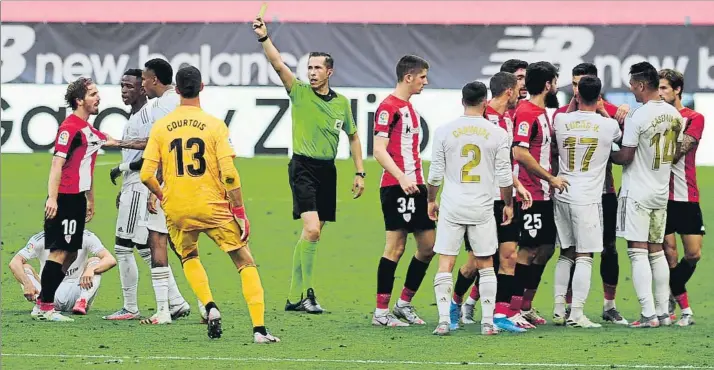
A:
523, 128
338, 124
383, 118
407, 217
533, 233
68, 238
63, 138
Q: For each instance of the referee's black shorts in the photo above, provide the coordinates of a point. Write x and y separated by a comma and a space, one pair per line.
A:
66, 230
314, 186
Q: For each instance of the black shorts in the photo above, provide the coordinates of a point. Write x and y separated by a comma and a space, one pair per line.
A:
405, 212
537, 224
684, 218
66, 230
314, 186
609, 218
508, 233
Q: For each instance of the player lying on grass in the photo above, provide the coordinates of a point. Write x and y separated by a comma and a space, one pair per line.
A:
79, 287
471, 154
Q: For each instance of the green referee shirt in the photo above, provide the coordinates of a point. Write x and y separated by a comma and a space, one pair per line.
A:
317, 121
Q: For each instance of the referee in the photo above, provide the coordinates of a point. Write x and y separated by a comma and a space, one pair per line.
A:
318, 115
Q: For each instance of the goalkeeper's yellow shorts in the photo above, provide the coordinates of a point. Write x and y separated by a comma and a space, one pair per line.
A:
226, 236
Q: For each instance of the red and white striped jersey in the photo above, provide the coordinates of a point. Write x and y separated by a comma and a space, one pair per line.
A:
503, 121
683, 181
78, 142
609, 187
534, 132
397, 120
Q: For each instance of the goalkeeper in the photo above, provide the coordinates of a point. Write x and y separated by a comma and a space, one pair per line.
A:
318, 116
202, 193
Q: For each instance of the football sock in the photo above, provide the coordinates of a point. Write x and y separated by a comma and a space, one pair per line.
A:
642, 280
660, 277
52, 276
531, 285
253, 294
609, 268
385, 284
503, 294
683, 301
295, 293
443, 289
160, 281
145, 254
460, 287
487, 286
307, 258
519, 278
415, 275
128, 276
175, 297
474, 295
680, 275
197, 278
562, 278
581, 285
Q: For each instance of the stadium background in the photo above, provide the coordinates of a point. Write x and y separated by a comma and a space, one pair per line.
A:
463, 41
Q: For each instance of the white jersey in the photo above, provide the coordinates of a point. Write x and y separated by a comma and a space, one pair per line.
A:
584, 142
138, 127
164, 104
654, 129
471, 153
35, 248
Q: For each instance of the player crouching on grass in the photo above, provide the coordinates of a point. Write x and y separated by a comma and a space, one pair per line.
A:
81, 283
470, 155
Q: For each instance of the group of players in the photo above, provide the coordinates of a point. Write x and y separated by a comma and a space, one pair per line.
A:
516, 183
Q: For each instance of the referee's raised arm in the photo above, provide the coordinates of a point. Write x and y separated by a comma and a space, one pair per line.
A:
286, 75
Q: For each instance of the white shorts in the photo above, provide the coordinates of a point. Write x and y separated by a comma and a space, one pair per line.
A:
132, 209
636, 223
449, 237
156, 222
579, 226
67, 294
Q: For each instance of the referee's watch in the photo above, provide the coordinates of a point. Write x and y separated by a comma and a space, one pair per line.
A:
361, 174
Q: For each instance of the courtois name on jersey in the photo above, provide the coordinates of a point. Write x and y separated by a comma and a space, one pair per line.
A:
35, 248
584, 142
654, 129
469, 154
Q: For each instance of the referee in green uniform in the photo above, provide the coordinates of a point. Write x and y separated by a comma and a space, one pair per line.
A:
318, 114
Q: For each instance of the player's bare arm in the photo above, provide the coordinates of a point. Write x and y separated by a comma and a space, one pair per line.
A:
272, 53
90, 203
386, 161
507, 196
356, 150
137, 144
18, 271
523, 193
106, 262
525, 158
621, 113
231, 180
148, 178
688, 143
624, 156
53, 186
432, 205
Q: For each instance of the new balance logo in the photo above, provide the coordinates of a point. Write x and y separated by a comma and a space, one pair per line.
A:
562, 46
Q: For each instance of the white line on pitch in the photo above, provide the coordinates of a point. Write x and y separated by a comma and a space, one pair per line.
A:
379, 362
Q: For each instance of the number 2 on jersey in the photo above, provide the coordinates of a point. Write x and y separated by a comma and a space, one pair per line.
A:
670, 145
570, 143
195, 169
466, 169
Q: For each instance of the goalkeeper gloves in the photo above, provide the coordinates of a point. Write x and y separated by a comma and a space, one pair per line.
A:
242, 219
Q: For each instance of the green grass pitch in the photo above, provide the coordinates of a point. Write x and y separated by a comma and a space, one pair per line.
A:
346, 279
